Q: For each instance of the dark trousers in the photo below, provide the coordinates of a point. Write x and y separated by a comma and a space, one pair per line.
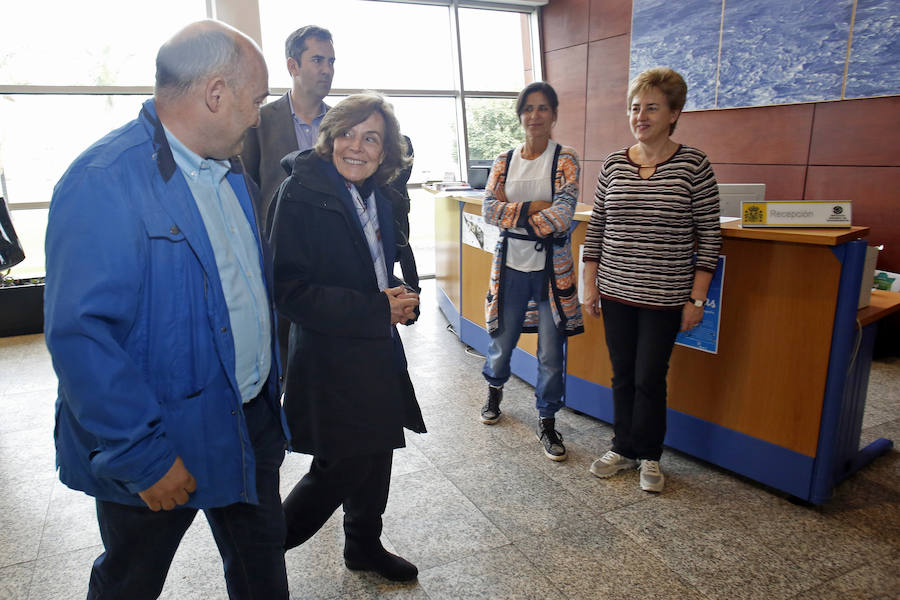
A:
360, 483
640, 342
140, 543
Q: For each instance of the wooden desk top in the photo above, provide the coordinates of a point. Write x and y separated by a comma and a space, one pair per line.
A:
823, 236
799, 235
883, 303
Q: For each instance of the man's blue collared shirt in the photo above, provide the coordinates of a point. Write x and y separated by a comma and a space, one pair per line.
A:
237, 258
306, 132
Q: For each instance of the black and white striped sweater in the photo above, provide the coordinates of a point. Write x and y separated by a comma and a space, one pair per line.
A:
644, 232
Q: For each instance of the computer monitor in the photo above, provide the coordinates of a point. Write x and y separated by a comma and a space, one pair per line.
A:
732, 194
478, 176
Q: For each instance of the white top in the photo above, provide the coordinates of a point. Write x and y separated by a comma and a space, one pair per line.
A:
527, 181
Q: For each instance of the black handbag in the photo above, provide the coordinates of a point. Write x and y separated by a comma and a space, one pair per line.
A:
11, 252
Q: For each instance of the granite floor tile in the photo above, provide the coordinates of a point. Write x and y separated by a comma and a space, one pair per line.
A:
26, 457
879, 580
430, 522
63, 577
454, 436
316, 569
386, 591
500, 574
23, 411
520, 501
698, 539
870, 506
70, 522
819, 544
409, 459
15, 580
593, 559
23, 507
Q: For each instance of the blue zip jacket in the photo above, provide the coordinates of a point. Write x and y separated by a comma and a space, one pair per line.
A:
138, 328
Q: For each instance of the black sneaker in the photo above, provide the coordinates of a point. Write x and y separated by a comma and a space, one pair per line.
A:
490, 412
551, 439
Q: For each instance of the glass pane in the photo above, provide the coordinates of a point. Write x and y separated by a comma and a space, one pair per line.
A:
30, 226
421, 229
32, 164
492, 126
91, 42
496, 50
430, 123
377, 45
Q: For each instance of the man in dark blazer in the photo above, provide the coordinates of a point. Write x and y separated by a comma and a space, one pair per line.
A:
292, 122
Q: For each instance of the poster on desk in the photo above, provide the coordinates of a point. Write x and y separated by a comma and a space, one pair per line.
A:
705, 336
477, 233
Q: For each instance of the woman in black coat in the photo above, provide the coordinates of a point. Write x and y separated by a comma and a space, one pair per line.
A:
347, 392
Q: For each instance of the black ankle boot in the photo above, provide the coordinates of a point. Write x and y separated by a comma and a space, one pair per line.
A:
490, 412
375, 558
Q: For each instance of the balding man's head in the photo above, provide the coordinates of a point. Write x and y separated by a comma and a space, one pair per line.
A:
210, 82
199, 51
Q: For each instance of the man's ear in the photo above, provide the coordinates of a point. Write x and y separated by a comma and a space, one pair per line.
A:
215, 92
292, 66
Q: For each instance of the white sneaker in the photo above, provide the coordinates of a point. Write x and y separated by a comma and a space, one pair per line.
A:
611, 463
652, 479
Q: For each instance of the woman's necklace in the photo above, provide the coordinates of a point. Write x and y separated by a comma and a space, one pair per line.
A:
646, 171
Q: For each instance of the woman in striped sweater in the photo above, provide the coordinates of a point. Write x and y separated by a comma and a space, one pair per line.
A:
656, 204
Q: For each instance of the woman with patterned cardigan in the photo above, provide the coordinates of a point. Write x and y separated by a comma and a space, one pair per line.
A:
656, 206
531, 196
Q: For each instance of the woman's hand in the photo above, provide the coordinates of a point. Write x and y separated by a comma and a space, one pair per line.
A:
591, 293
403, 303
537, 206
592, 299
691, 316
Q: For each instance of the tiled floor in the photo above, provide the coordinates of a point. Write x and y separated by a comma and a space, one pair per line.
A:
483, 513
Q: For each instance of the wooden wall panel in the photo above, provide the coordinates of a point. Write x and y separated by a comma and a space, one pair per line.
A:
783, 182
564, 23
771, 135
609, 18
566, 72
856, 132
589, 171
876, 203
607, 120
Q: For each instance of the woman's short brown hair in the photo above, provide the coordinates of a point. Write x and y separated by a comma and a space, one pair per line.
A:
667, 81
350, 112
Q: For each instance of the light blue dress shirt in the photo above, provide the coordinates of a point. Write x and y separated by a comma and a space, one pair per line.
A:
307, 133
237, 258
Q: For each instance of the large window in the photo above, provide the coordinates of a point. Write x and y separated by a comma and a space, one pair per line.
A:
452, 69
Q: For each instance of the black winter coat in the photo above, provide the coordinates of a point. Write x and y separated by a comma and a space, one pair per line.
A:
347, 390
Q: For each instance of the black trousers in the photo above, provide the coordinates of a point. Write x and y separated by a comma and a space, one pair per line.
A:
360, 483
640, 342
139, 543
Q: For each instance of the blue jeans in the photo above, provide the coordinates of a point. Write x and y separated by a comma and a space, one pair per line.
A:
140, 544
516, 289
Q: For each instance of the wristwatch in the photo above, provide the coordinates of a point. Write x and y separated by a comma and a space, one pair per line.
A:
697, 303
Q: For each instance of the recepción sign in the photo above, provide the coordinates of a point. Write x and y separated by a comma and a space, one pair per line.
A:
805, 213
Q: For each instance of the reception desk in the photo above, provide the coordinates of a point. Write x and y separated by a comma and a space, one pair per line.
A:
781, 401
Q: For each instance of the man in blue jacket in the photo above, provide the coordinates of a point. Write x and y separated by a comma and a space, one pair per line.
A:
159, 323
